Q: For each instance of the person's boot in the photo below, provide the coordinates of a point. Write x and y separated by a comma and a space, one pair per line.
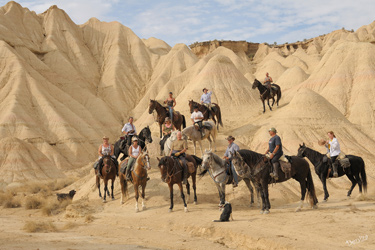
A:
334, 167
127, 173
99, 174
275, 173
184, 181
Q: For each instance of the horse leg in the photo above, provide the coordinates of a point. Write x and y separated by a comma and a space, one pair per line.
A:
303, 193
194, 178
160, 126
264, 106
359, 181
183, 196
195, 146
221, 189
171, 196
122, 183
354, 182
98, 185
136, 194
248, 184
112, 186
263, 199
266, 198
105, 190
209, 139
273, 101
268, 102
143, 196
188, 191
323, 178
200, 145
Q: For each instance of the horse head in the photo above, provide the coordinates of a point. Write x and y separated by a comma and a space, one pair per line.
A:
151, 106
255, 84
239, 164
145, 160
146, 134
301, 150
191, 105
207, 159
107, 164
163, 166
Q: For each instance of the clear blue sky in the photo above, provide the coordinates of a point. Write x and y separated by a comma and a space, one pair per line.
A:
201, 20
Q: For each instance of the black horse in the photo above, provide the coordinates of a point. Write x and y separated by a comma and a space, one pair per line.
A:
247, 162
143, 136
265, 93
357, 169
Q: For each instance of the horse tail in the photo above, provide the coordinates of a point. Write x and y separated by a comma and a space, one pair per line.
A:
278, 95
363, 176
183, 122
201, 174
197, 159
218, 115
311, 189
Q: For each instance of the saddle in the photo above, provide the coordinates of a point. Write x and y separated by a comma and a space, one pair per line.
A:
343, 160
286, 165
207, 125
189, 165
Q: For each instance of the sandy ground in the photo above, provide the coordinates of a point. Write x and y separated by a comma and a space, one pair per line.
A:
339, 223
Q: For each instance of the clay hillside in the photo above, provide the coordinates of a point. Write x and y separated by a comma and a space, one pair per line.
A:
63, 86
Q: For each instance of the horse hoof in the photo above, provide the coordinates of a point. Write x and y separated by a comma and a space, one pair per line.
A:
170, 210
261, 211
325, 200
298, 209
266, 212
121, 202
143, 207
104, 201
186, 210
136, 210
113, 198
315, 207
195, 203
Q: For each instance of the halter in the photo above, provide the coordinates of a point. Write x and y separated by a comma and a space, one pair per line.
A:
170, 175
144, 167
214, 177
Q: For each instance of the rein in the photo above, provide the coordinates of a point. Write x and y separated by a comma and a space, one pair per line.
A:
170, 176
145, 168
214, 177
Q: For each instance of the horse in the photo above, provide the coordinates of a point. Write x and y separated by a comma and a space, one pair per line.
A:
139, 179
357, 167
171, 173
266, 95
216, 167
204, 109
108, 173
163, 112
247, 162
195, 135
143, 137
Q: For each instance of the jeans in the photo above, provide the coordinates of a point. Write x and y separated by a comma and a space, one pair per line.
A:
235, 176
171, 113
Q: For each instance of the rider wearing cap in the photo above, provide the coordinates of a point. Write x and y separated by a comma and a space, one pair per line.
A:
232, 147
206, 100
134, 151
106, 149
167, 131
197, 118
178, 149
275, 148
171, 102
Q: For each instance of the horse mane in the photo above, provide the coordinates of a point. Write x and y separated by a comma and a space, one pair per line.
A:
217, 159
315, 155
250, 157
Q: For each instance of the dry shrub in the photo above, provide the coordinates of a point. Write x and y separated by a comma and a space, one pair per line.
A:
89, 218
33, 202
70, 225
5, 197
59, 184
53, 207
12, 203
37, 227
80, 209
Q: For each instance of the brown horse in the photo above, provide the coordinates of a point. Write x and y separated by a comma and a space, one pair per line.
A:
108, 173
266, 95
178, 119
172, 173
215, 111
139, 178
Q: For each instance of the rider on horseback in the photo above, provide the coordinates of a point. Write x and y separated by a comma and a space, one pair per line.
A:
276, 149
129, 130
167, 130
178, 149
134, 152
106, 149
232, 147
267, 82
333, 148
171, 102
197, 118
206, 101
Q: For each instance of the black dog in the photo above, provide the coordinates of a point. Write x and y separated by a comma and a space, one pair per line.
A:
226, 214
61, 197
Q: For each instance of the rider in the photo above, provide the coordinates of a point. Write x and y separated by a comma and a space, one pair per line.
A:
129, 130
267, 82
197, 118
106, 149
232, 147
206, 100
166, 130
171, 102
178, 149
333, 147
134, 152
276, 151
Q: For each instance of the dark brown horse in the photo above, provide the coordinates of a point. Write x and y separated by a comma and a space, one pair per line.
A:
139, 179
266, 95
172, 173
215, 111
249, 163
178, 119
108, 173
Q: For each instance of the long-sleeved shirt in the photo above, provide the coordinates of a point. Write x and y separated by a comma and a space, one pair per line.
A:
129, 127
231, 149
333, 147
206, 98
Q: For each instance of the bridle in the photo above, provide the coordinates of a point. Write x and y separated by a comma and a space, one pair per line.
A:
214, 177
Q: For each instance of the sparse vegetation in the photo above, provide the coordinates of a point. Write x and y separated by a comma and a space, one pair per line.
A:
53, 207
5, 197
70, 225
89, 218
37, 227
33, 202
12, 203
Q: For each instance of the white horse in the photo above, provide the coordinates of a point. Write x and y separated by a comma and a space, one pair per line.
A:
196, 136
216, 167
170, 140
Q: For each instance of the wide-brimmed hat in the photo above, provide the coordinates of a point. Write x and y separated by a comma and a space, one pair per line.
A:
204, 89
167, 119
322, 142
134, 139
273, 130
105, 137
230, 138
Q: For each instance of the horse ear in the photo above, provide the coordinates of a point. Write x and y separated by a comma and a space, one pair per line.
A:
158, 158
304, 145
